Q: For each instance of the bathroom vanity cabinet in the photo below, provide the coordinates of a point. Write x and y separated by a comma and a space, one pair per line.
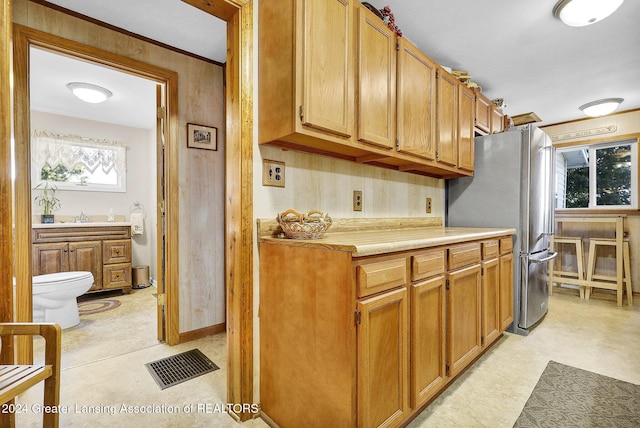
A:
105, 251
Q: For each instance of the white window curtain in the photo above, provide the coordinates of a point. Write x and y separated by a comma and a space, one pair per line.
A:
71, 151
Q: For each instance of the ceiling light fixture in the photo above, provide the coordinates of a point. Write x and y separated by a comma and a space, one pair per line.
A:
89, 93
578, 13
601, 107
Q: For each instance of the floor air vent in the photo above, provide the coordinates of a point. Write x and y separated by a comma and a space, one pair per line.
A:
180, 368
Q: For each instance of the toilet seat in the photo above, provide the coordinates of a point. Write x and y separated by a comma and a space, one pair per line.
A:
52, 280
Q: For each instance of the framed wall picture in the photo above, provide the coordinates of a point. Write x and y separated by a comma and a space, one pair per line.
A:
202, 137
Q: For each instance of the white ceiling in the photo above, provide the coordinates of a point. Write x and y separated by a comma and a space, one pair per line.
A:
514, 49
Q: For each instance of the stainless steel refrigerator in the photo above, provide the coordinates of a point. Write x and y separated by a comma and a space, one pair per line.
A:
512, 186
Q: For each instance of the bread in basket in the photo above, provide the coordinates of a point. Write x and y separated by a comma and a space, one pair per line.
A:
311, 225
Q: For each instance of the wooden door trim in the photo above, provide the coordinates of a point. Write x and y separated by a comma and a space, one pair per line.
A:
24, 38
239, 177
6, 193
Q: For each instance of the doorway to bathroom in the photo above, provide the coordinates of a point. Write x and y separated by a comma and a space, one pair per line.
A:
48, 119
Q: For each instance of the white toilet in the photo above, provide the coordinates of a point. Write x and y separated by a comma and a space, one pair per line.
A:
54, 297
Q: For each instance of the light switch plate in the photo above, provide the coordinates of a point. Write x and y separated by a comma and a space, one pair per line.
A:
272, 173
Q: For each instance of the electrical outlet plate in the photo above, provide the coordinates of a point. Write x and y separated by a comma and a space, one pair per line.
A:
428, 205
357, 200
272, 173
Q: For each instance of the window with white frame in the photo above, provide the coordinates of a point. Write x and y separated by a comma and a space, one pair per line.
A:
602, 176
77, 163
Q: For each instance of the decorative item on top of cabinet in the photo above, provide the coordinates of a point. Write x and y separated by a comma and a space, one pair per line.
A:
103, 251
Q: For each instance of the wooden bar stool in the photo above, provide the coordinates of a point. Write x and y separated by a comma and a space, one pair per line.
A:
563, 276
608, 281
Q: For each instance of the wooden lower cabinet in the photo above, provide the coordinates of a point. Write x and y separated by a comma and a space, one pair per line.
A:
506, 290
463, 318
428, 330
383, 331
491, 325
366, 341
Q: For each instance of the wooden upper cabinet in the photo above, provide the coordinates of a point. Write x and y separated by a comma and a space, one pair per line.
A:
327, 66
466, 115
416, 102
483, 113
497, 120
447, 108
376, 81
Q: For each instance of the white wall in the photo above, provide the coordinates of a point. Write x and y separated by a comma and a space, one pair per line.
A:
141, 184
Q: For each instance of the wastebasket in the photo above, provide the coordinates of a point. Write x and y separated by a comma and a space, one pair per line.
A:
140, 276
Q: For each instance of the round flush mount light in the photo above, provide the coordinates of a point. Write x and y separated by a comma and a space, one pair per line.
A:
578, 13
601, 107
89, 93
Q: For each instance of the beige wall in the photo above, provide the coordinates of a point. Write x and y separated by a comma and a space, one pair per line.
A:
141, 179
602, 129
201, 183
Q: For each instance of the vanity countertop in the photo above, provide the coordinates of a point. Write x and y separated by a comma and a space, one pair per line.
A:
73, 224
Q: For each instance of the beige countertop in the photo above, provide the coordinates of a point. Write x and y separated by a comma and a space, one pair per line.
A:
368, 243
87, 224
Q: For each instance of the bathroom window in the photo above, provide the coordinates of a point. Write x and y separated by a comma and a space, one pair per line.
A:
78, 163
598, 176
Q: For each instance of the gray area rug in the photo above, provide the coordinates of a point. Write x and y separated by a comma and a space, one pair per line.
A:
569, 397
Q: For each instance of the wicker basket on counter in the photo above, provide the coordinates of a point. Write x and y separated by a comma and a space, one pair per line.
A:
311, 225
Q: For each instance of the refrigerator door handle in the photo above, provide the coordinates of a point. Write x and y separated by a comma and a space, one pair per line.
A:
552, 255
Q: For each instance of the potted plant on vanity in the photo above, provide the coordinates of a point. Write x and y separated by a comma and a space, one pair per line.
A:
47, 200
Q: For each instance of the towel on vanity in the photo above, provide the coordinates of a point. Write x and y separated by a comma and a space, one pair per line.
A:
137, 224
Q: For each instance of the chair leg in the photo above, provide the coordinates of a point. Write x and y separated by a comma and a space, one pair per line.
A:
580, 262
627, 274
552, 246
590, 267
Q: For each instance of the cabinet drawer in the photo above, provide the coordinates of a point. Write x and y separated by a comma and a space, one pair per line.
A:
490, 249
116, 251
427, 264
116, 276
506, 245
378, 276
464, 255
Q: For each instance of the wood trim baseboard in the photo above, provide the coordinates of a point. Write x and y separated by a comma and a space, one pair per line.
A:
202, 332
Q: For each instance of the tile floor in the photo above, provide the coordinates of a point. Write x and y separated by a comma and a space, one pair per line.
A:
104, 374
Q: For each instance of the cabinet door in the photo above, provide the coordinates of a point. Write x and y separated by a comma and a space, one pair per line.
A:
382, 359
87, 256
50, 258
428, 340
416, 102
491, 326
466, 114
506, 290
497, 117
463, 317
447, 108
376, 81
327, 66
483, 113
